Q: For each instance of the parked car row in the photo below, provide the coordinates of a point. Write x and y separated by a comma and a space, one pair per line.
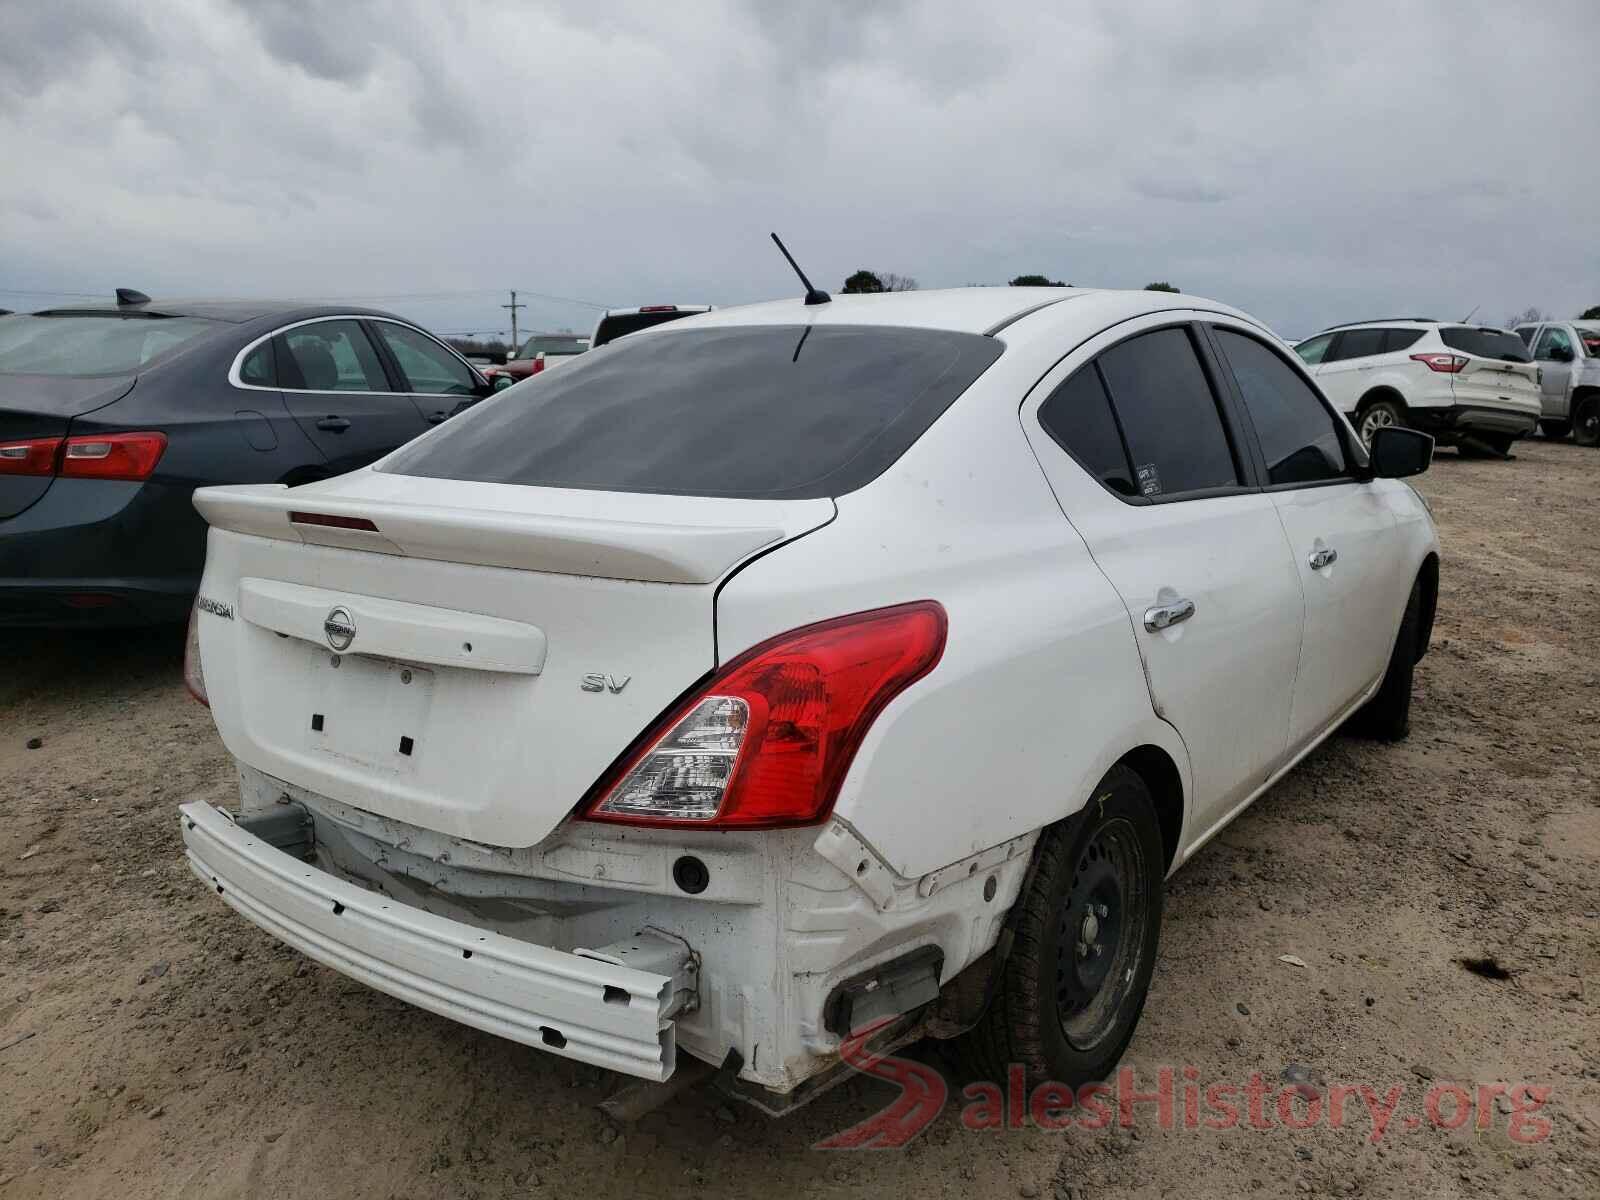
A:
1470, 386
544, 351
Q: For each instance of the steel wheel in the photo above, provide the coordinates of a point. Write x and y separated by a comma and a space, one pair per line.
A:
1101, 938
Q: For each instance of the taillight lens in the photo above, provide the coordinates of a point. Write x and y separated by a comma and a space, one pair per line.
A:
766, 743
35, 456
113, 455
1447, 364
538, 363
194, 678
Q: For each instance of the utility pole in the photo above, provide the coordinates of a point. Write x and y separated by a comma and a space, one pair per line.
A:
513, 306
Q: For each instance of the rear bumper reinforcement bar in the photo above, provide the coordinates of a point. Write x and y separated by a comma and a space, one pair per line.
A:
599, 1012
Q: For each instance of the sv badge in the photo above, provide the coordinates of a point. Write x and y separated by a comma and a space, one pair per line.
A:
604, 683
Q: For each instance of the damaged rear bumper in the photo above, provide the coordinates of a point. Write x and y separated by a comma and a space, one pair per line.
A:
590, 1005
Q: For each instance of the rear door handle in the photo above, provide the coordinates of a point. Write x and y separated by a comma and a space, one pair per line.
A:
1324, 557
438, 418
1164, 616
332, 424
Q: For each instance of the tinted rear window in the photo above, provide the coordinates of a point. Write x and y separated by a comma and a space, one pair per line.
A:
756, 412
1485, 343
620, 324
32, 345
1357, 343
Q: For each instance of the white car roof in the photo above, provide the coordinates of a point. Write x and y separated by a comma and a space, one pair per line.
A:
961, 310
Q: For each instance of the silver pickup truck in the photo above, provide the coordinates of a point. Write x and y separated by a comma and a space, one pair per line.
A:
1568, 354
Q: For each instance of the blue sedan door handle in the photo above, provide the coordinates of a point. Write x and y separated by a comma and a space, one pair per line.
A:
333, 424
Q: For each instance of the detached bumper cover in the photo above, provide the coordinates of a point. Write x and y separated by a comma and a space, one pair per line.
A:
1475, 418
597, 1012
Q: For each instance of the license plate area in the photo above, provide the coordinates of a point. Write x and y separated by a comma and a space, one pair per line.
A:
369, 711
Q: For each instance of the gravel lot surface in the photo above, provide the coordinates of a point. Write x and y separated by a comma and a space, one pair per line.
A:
168, 1049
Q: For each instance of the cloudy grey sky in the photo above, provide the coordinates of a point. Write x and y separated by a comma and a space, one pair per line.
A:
1309, 162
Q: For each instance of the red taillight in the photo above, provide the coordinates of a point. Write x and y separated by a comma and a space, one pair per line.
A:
113, 455
332, 521
1447, 364
767, 741
35, 456
659, 308
193, 677
538, 363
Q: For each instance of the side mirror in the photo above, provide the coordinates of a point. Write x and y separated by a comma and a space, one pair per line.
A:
1561, 353
1397, 453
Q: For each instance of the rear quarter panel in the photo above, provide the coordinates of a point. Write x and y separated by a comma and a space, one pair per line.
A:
1039, 690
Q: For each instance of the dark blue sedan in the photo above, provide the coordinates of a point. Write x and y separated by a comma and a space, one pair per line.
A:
111, 415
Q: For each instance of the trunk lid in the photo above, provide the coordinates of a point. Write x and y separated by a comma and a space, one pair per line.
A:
474, 663
43, 406
1494, 383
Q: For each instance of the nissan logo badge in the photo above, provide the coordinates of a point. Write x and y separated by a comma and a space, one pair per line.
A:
339, 628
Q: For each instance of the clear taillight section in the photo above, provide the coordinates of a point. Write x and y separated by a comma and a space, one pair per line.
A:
1447, 364
767, 741
194, 678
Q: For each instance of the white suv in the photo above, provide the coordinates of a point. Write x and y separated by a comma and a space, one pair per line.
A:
1468, 385
804, 670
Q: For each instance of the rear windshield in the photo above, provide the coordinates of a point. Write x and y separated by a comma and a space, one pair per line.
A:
36, 345
756, 412
1485, 343
546, 344
616, 325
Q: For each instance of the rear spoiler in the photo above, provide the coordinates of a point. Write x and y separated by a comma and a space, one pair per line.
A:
659, 551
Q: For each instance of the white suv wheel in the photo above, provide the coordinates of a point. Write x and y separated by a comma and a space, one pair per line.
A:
1374, 419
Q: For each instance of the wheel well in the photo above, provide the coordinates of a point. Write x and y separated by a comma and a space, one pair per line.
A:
1583, 393
1382, 393
1160, 775
1428, 577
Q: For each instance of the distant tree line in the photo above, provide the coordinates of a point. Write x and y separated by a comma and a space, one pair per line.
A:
468, 346
887, 281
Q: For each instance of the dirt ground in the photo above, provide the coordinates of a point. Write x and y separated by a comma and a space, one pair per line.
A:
169, 1049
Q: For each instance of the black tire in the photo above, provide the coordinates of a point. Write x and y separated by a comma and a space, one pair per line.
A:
1096, 880
1586, 422
1555, 430
1387, 715
1374, 415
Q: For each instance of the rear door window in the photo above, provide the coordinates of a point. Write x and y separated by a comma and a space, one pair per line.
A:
1078, 417
757, 412
1485, 343
1168, 414
1357, 343
331, 356
1299, 437
1401, 339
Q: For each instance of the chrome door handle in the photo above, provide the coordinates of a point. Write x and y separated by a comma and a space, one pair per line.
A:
1322, 558
1164, 616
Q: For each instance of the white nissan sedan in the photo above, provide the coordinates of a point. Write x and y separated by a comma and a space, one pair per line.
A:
801, 669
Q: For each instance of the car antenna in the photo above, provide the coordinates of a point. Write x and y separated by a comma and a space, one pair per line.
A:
1468, 317
813, 295
131, 296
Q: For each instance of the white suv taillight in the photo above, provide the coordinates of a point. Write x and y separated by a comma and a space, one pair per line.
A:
1447, 364
766, 742
194, 678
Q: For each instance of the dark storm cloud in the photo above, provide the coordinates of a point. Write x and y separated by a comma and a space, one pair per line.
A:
1307, 161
